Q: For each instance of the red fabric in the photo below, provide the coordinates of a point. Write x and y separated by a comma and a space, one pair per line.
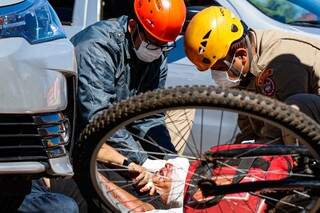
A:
241, 202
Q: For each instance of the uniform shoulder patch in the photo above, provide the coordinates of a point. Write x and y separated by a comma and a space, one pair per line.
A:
263, 76
269, 88
265, 83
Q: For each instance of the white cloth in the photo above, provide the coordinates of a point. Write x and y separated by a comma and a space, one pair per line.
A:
153, 165
179, 175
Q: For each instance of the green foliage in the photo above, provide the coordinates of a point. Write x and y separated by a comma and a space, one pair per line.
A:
280, 10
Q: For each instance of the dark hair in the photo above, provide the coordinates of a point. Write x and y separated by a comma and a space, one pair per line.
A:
236, 45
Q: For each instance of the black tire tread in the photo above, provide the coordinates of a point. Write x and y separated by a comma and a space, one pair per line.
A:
202, 95
232, 99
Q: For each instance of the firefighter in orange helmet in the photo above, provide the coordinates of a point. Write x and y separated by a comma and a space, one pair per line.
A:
124, 56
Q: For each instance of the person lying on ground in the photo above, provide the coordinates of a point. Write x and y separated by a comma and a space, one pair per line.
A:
171, 180
167, 183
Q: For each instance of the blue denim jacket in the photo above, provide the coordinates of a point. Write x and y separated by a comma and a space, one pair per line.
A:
109, 71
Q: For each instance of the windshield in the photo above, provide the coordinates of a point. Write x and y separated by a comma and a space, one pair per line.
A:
64, 9
294, 12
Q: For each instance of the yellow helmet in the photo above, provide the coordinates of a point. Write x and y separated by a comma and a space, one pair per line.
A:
210, 34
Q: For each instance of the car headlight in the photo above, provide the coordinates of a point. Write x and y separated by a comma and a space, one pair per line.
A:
34, 20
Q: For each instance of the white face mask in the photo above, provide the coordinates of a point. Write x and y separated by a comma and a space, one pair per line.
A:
147, 55
222, 79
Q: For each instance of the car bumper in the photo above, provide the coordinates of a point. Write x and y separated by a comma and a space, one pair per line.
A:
58, 166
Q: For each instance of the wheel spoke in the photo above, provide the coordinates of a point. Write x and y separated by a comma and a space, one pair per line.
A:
186, 143
216, 114
220, 128
277, 200
201, 132
283, 184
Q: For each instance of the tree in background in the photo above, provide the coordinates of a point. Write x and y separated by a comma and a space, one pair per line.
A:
280, 10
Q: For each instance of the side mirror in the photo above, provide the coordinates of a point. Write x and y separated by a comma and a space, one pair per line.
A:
191, 11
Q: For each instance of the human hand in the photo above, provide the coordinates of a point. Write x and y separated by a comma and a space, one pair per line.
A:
149, 187
143, 178
162, 181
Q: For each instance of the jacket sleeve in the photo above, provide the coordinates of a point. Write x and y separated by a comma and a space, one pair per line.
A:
96, 66
290, 78
96, 79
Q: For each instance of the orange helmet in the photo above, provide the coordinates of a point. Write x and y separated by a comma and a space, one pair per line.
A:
163, 19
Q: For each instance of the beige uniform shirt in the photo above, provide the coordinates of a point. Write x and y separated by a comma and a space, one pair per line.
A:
287, 64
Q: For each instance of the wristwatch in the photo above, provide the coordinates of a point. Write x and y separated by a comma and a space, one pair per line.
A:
126, 162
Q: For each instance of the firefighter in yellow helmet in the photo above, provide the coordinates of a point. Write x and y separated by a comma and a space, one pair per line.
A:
276, 63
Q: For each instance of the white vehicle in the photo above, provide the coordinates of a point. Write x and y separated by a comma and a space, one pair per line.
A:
80, 13
37, 82
77, 14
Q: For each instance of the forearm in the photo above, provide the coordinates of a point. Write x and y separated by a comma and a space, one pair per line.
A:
123, 142
125, 198
108, 154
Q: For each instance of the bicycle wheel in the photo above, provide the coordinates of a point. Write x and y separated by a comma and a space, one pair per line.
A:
214, 113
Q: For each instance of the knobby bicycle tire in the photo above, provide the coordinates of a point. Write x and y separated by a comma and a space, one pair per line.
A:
232, 99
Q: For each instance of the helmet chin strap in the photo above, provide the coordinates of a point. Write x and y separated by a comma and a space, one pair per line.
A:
233, 70
237, 72
250, 54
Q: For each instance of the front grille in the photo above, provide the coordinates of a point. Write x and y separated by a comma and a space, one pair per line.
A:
25, 137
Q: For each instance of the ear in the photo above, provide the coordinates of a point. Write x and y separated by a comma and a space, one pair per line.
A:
132, 25
242, 54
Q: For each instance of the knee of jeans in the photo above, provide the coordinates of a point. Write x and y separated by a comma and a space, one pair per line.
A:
300, 98
292, 99
62, 203
297, 100
69, 205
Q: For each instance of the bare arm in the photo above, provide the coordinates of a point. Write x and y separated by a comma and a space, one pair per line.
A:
125, 198
108, 154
